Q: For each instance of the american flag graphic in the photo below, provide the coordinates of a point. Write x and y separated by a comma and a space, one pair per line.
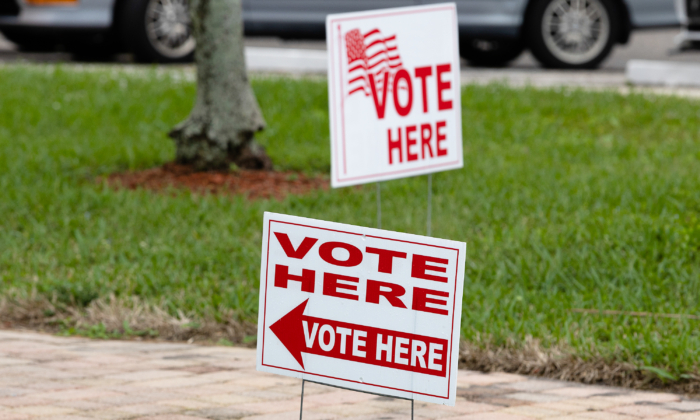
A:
371, 53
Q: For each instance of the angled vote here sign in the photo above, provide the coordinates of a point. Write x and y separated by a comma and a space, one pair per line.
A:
393, 86
360, 308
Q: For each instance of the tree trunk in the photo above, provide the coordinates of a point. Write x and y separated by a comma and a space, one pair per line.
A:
220, 128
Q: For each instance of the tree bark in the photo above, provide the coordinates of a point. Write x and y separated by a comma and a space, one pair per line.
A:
220, 128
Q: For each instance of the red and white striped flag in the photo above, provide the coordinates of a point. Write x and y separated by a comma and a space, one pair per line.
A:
370, 53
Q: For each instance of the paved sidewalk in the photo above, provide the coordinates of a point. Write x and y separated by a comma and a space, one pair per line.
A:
43, 376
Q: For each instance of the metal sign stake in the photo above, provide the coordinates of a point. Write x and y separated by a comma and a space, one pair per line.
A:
430, 200
379, 205
348, 389
301, 409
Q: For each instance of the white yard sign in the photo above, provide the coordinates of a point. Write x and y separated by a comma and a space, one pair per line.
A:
360, 308
394, 86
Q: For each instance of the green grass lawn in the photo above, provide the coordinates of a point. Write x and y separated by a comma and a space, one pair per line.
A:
568, 199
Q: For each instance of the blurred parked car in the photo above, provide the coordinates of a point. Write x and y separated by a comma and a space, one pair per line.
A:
559, 33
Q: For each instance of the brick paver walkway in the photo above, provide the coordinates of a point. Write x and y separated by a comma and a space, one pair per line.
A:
43, 376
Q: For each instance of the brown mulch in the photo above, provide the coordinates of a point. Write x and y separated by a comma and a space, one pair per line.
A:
253, 184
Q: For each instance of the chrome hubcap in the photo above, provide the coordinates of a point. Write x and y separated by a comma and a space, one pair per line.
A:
169, 27
576, 31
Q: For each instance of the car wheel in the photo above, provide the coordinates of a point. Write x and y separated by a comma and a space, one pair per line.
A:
490, 52
29, 42
158, 31
573, 34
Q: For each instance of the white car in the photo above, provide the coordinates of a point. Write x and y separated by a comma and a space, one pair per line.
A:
559, 33
689, 16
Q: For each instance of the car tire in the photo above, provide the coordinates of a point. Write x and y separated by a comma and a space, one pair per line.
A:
490, 52
572, 34
29, 42
157, 31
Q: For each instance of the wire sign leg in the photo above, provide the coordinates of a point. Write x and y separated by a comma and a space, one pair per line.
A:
411, 409
379, 205
430, 201
301, 409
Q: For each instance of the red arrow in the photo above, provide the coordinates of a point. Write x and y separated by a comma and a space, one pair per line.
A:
359, 343
289, 329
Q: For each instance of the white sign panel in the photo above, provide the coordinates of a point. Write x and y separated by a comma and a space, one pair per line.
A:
394, 93
360, 308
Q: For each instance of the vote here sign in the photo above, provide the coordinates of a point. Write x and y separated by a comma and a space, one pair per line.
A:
360, 308
393, 79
